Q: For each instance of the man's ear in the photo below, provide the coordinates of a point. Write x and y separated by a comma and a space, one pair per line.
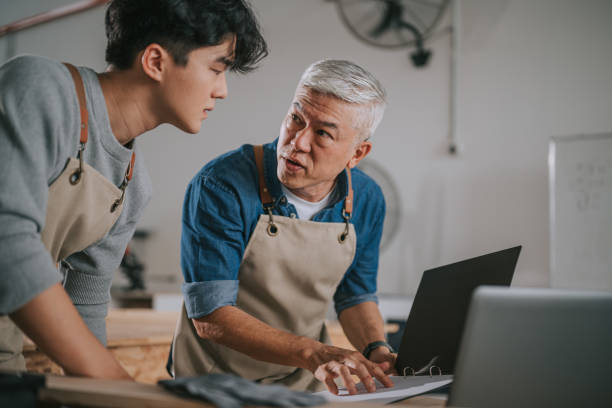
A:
153, 60
362, 150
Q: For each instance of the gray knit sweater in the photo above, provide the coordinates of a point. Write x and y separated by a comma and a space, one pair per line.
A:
39, 131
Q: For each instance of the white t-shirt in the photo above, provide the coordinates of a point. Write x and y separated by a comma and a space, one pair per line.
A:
306, 209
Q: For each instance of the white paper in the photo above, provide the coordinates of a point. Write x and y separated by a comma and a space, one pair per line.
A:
403, 387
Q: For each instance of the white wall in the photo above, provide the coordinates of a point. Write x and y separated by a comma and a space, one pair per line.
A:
528, 70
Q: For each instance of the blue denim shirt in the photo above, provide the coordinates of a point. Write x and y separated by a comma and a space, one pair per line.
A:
222, 207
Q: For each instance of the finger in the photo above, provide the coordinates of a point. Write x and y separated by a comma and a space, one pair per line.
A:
388, 368
324, 375
392, 360
344, 373
364, 375
331, 384
382, 377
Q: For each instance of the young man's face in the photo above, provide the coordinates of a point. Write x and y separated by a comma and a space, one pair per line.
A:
190, 91
318, 139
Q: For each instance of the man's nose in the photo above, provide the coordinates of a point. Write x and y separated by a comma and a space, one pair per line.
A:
220, 89
302, 139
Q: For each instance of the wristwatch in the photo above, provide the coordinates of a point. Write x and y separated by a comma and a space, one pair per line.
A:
374, 345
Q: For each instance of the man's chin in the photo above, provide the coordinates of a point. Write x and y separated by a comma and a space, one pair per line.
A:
289, 180
192, 128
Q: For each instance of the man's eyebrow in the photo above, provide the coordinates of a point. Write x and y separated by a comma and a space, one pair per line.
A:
227, 61
330, 125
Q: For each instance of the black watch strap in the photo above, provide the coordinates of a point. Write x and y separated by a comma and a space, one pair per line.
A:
374, 345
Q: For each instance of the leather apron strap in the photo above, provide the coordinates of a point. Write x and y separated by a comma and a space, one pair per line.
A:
264, 193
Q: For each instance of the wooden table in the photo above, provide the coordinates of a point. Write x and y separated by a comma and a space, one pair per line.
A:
140, 340
90, 392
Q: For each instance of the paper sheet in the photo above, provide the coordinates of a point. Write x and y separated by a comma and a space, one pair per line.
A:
404, 387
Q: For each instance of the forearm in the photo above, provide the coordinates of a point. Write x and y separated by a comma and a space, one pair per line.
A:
362, 324
52, 322
242, 332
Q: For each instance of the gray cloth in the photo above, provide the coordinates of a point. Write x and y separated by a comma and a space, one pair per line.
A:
39, 131
229, 391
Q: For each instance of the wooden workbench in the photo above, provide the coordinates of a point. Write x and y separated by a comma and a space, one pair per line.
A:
90, 392
140, 340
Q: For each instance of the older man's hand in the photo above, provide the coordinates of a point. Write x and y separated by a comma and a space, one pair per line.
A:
329, 362
385, 359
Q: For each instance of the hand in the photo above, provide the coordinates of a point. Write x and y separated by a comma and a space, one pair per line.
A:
331, 362
385, 359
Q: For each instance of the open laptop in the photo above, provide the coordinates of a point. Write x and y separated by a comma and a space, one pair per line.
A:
535, 348
433, 330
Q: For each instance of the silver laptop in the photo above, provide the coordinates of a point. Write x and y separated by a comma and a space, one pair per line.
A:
535, 348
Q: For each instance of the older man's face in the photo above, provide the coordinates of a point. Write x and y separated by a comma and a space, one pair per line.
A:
317, 140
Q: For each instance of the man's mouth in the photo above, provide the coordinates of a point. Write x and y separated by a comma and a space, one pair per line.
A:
206, 110
293, 165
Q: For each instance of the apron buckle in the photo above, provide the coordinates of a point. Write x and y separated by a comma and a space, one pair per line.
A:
344, 234
272, 228
76, 176
118, 201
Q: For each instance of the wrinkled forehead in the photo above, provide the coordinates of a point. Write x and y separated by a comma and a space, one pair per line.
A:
327, 108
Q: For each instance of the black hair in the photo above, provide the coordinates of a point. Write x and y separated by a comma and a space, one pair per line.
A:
180, 26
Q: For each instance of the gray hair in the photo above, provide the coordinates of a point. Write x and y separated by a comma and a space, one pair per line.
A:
350, 83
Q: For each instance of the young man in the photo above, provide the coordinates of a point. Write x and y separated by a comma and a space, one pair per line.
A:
271, 234
73, 180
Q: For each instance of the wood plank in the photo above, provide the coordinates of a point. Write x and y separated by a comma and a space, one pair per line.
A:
111, 394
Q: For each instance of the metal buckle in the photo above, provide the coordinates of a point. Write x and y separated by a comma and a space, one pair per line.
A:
76, 176
344, 234
272, 228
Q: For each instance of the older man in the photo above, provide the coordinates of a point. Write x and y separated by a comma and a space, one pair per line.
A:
272, 233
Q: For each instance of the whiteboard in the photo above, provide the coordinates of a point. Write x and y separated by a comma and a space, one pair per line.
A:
580, 188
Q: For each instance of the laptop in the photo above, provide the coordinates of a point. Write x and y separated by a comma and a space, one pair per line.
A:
535, 348
433, 330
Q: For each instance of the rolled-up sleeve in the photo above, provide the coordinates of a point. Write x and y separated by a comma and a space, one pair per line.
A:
212, 245
203, 298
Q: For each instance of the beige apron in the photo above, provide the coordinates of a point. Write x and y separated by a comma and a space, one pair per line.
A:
82, 207
288, 275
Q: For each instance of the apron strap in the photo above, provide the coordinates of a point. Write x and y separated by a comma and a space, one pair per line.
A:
80, 90
347, 211
348, 201
126, 180
130, 169
264, 193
